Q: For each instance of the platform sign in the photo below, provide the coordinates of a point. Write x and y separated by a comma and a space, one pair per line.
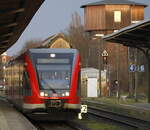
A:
136, 68
132, 68
83, 110
141, 68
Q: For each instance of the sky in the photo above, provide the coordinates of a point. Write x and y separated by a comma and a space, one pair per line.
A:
53, 17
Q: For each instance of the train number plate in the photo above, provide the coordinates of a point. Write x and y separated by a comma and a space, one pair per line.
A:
54, 103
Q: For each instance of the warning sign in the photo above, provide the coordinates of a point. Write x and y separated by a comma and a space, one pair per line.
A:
105, 53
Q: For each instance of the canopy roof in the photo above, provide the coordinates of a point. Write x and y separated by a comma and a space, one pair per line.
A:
113, 2
136, 35
15, 15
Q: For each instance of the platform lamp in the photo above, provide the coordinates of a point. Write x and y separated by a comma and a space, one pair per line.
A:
4, 60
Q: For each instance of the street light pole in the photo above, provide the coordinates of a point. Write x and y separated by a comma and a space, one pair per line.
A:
100, 63
118, 70
136, 76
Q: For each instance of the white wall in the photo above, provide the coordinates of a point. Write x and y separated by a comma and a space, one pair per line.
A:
92, 87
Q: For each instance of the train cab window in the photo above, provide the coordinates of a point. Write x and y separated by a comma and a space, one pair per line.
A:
54, 71
54, 76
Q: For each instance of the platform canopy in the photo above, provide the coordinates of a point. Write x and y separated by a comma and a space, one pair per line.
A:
15, 15
136, 35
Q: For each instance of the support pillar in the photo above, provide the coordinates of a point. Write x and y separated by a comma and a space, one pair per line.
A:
147, 54
148, 59
149, 80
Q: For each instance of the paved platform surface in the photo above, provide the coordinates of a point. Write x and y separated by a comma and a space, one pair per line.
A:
10, 119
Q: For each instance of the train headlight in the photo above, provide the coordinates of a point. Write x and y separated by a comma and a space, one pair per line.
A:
63, 94
42, 94
52, 55
67, 93
46, 94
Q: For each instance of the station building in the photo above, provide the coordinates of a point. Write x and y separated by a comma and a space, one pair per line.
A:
90, 82
56, 41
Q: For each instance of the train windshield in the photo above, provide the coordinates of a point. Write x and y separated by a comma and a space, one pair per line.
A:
54, 72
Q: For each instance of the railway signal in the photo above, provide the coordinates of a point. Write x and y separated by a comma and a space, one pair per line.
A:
105, 57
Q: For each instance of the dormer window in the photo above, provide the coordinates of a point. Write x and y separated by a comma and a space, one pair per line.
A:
117, 16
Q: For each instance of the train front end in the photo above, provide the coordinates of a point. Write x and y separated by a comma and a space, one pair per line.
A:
54, 80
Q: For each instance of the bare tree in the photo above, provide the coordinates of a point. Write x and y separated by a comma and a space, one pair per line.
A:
29, 44
81, 40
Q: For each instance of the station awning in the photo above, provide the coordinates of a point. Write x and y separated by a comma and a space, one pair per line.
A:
136, 35
15, 15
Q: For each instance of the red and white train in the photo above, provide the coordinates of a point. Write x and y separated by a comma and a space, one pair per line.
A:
45, 80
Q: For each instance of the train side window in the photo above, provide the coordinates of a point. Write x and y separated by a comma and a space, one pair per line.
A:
79, 84
26, 82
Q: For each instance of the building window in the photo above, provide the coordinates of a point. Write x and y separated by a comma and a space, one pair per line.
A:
117, 16
135, 21
115, 30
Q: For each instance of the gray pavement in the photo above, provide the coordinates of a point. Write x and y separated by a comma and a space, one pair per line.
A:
10, 119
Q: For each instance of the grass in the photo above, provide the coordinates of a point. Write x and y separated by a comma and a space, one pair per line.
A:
94, 125
102, 126
114, 100
114, 105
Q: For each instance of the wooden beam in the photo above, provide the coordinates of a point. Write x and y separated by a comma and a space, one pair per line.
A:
132, 38
144, 29
10, 12
134, 35
8, 1
8, 25
3, 47
6, 35
126, 40
6, 41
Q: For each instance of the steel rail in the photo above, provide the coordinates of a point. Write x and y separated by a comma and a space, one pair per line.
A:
76, 125
64, 125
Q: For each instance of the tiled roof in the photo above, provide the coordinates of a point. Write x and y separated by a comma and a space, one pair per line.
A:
113, 2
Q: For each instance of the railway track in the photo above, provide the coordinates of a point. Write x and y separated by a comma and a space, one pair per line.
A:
115, 117
51, 126
65, 125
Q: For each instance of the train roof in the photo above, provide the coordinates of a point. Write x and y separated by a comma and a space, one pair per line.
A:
53, 50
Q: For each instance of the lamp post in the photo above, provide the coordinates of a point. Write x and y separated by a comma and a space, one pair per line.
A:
100, 60
100, 67
118, 71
